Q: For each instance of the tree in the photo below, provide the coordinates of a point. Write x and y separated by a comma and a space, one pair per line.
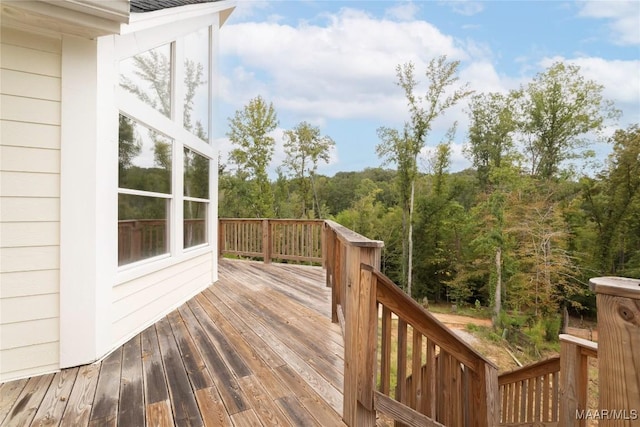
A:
403, 148
490, 136
612, 202
249, 131
129, 145
305, 147
489, 147
560, 107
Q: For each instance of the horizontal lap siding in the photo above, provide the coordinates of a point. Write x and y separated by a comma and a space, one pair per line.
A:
30, 70
142, 301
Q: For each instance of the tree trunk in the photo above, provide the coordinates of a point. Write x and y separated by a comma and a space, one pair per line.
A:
316, 202
497, 307
410, 240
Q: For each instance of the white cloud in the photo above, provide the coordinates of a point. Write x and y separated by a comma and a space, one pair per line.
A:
248, 8
405, 11
624, 17
332, 71
465, 7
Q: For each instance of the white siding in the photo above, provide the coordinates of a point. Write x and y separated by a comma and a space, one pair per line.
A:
30, 70
140, 302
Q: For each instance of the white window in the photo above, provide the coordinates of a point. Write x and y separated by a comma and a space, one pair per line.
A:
165, 153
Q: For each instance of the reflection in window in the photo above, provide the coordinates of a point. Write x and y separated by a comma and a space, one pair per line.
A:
195, 223
148, 76
144, 158
196, 175
196, 72
142, 227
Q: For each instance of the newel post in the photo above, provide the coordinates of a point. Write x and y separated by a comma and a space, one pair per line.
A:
573, 382
360, 337
221, 238
618, 304
266, 240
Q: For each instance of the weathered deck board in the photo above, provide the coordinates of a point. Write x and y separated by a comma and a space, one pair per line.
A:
183, 401
105, 407
256, 348
131, 408
81, 400
55, 401
28, 402
10, 392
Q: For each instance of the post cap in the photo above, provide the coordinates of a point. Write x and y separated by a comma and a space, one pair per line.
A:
617, 286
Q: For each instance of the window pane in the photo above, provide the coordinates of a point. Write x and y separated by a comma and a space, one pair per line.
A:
196, 175
142, 227
195, 223
148, 76
144, 158
196, 82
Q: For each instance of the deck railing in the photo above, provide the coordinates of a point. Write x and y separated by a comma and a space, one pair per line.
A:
433, 378
531, 394
439, 379
145, 238
272, 239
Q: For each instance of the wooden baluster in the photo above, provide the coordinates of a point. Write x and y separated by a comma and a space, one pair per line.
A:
556, 396
545, 398
516, 402
531, 387
401, 369
385, 352
523, 400
431, 382
416, 371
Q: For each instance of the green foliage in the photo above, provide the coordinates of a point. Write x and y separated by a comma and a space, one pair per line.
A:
559, 108
490, 135
304, 148
472, 327
498, 236
612, 206
128, 145
249, 131
403, 148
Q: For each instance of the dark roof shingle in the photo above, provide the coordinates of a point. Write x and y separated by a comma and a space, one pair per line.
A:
141, 6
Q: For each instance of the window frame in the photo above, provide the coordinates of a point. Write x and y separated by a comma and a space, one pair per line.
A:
173, 127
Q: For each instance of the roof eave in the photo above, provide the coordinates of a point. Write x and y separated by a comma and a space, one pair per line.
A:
84, 18
143, 21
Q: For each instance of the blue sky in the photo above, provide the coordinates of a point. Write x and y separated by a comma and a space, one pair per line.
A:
332, 63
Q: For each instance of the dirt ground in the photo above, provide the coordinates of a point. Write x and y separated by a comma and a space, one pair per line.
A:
492, 351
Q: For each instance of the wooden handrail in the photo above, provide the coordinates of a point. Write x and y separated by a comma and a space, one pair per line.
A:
444, 381
392, 297
351, 238
538, 369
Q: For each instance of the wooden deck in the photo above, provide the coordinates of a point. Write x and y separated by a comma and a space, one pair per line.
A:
257, 348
